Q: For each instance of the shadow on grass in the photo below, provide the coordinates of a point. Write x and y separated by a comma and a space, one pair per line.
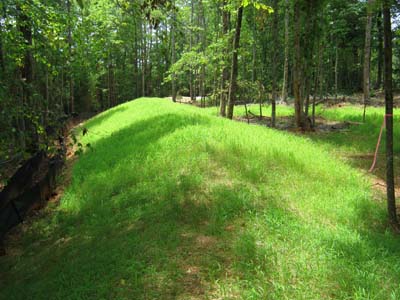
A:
141, 220
357, 254
130, 226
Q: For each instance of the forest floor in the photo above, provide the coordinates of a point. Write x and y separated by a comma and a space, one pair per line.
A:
171, 202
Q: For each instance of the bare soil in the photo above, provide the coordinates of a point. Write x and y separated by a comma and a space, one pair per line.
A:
288, 123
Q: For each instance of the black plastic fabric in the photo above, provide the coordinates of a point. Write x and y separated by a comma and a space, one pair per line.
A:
32, 184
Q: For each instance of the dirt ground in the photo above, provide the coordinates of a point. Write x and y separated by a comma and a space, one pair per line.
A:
288, 123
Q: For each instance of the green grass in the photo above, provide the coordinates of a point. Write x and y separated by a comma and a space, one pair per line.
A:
355, 145
360, 138
173, 203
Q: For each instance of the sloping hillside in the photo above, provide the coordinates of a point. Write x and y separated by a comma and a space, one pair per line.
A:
172, 203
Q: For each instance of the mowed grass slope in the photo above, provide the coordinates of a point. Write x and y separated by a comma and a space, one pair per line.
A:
172, 203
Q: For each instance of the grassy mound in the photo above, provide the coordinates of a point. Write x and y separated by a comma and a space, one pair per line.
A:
172, 203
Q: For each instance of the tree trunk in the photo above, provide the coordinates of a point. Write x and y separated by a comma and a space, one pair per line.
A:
297, 74
191, 92
391, 199
203, 25
380, 51
149, 66
136, 75
144, 63
71, 82
225, 71
173, 50
367, 57
286, 64
274, 62
336, 69
234, 70
307, 94
254, 46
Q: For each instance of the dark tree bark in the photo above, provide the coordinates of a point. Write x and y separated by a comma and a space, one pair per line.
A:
191, 85
286, 65
143, 57
274, 74
225, 71
173, 50
391, 199
380, 51
336, 69
203, 37
234, 68
297, 74
367, 56
71, 81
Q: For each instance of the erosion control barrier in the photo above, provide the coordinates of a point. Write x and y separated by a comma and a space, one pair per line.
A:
31, 186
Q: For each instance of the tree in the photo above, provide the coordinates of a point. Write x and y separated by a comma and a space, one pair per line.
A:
236, 42
234, 65
274, 62
173, 50
225, 71
367, 55
286, 64
297, 69
391, 198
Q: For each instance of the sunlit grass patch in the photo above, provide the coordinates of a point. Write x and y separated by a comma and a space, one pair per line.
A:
170, 202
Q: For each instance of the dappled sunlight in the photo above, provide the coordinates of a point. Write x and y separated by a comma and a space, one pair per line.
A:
172, 203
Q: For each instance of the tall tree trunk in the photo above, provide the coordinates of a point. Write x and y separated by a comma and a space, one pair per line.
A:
274, 62
191, 92
202, 21
149, 63
173, 50
254, 46
234, 68
391, 198
286, 64
367, 56
307, 94
297, 73
71, 81
309, 63
225, 71
144, 56
380, 50
336, 69
136, 75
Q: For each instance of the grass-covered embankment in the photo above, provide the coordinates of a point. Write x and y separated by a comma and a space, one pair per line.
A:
172, 203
